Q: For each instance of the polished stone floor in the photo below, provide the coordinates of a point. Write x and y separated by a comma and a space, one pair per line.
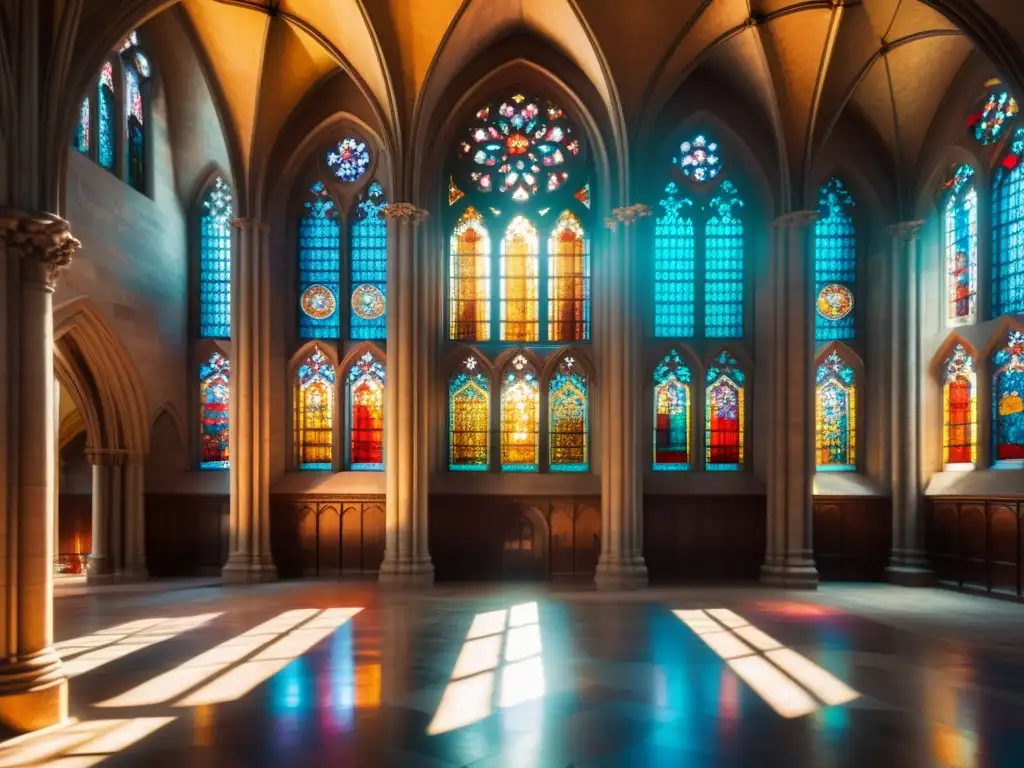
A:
338, 674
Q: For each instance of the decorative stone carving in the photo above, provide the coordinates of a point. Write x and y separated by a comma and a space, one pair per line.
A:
404, 212
627, 214
43, 238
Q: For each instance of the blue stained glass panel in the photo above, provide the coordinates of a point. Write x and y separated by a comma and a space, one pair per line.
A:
674, 255
723, 283
215, 262
1008, 403
368, 305
83, 128
105, 124
1008, 231
319, 267
961, 242
835, 259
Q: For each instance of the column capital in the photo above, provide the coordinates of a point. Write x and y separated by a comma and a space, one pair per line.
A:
105, 457
404, 213
627, 214
40, 237
905, 230
796, 219
257, 225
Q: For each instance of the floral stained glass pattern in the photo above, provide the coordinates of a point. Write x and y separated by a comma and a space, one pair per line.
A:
134, 133
961, 243
314, 412
835, 262
959, 409
366, 414
989, 122
725, 418
674, 257
568, 281
369, 275
349, 160
83, 128
699, 159
521, 147
1008, 403
723, 266
519, 282
1008, 231
568, 428
672, 414
105, 117
520, 417
214, 399
469, 279
215, 262
469, 419
319, 266
835, 401
835, 301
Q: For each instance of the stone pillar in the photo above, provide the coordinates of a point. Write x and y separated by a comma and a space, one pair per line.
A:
56, 474
621, 565
789, 556
33, 689
101, 563
249, 558
406, 400
908, 564
135, 518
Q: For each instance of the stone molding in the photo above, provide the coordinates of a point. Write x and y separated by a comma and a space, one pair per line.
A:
905, 230
626, 215
106, 457
404, 212
43, 238
256, 225
795, 219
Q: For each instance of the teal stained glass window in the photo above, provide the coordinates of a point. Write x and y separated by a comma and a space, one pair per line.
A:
214, 401
723, 266
961, 244
319, 266
835, 264
1008, 231
105, 121
1008, 403
569, 427
672, 408
215, 262
134, 133
469, 419
674, 267
83, 128
369, 273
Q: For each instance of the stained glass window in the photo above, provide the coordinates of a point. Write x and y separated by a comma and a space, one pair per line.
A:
519, 282
1008, 403
568, 429
672, 413
959, 409
961, 244
349, 160
725, 416
723, 266
522, 147
568, 281
214, 399
366, 414
520, 417
83, 128
369, 267
314, 412
674, 253
106, 116
469, 279
469, 419
1008, 231
135, 167
215, 262
988, 122
699, 160
835, 264
319, 266
835, 405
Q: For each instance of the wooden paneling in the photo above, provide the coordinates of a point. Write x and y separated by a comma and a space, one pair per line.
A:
327, 536
852, 538
977, 543
186, 535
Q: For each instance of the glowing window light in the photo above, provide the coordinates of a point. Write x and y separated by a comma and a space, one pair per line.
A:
78, 744
959, 410
825, 686
109, 636
835, 411
780, 693
519, 282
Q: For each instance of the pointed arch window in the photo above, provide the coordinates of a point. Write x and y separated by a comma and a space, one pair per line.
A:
1008, 231
569, 427
106, 111
314, 412
469, 284
319, 266
674, 266
1008, 403
961, 245
366, 414
568, 280
83, 127
835, 415
835, 264
135, 137
725, 417
215, 261
959, 409
369, 267
520, 282
469, 418
723, 266
672, 403
520, 417
214, 398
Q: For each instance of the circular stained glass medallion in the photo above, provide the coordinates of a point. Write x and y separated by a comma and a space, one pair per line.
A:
835, 301
349, 160
368, 302
318, 302
699, 159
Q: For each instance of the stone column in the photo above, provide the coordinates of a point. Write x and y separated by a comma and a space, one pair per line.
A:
621, 565
134, 518
249, 559
908, 564
406, 401
101, 563
56, 474
789, 556
33, 689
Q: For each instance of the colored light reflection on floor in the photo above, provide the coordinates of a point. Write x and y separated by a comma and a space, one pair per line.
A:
78, 744
789, 683
502, 651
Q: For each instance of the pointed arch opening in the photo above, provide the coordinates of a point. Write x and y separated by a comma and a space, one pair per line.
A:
365, 394
469, 279
313, 419
835, 412
568, 280
960, 242
469, 417
672, 408
569, 417
319, 265
1007, 224
835, 264
519, 283
215, 214
725, 414
520, 416
368, 274
214, 420
1008, 402
959, 409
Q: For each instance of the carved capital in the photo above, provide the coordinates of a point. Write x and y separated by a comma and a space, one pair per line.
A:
626, 215
42, 238
105, 457
256, 225
404, 212
905, 230
796, 219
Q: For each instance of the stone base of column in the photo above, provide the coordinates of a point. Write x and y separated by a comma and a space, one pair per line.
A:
134, 573
795, 570
99, 568
618, 574
33, 693
909, 568
406, 573
248, 569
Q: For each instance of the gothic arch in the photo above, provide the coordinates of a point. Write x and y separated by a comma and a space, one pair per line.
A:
944, 350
